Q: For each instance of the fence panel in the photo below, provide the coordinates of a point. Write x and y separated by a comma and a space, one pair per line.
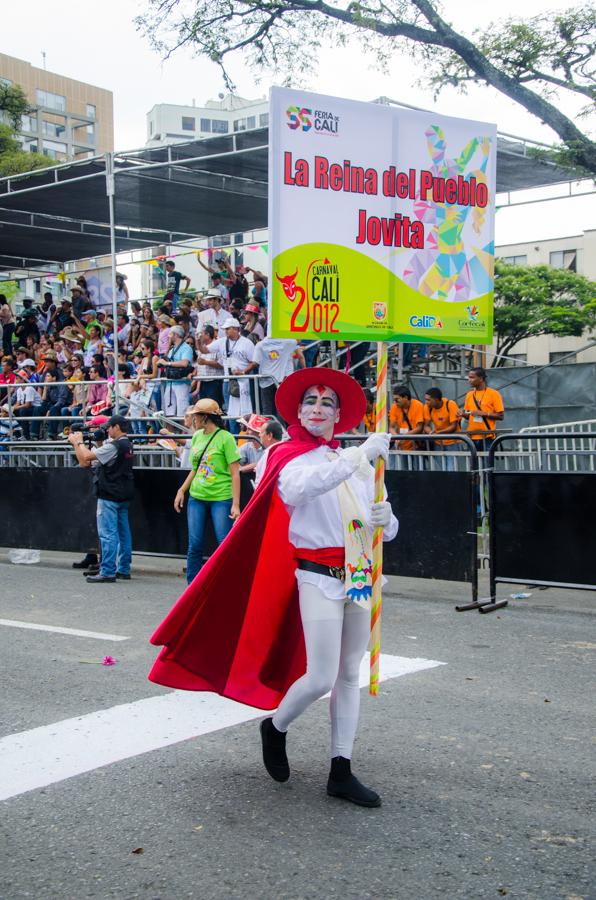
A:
541, 522
54, 509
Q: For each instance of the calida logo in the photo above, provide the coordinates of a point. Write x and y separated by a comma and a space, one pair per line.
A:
425, 322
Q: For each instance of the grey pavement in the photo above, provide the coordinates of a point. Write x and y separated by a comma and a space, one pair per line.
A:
485, 765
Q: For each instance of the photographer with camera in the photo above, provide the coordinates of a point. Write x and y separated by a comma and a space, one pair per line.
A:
114, 490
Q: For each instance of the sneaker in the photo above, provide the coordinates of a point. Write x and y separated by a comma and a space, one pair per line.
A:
100, 579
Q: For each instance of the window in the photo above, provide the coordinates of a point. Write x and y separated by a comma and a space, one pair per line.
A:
251, 122
53, 149
51, 101
521, 260
90, 129
188, 123
205, 125
28, 123
564, 259
51, 129
516, 359
263, 119
219, 126
559, 354
90, 110
240, 125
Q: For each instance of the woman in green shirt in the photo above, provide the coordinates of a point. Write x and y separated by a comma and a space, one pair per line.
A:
213, 482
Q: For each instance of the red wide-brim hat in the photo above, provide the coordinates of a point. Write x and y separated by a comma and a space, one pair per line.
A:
352, 402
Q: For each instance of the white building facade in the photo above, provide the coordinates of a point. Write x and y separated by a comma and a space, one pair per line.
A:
577, 253
170, 123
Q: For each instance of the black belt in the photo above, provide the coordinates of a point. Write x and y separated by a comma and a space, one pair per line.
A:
338, 572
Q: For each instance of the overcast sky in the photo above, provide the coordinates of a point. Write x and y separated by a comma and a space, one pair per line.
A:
100, 45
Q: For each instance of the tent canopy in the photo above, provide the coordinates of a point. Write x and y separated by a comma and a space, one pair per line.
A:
165, 195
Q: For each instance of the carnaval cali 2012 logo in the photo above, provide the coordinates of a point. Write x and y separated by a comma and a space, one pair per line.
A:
315, 296
320, 120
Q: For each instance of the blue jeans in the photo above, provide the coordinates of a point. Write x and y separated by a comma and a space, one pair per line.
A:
196, 513
114, 534
139, 426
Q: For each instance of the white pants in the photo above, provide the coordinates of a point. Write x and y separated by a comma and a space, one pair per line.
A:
176, 398
336, 634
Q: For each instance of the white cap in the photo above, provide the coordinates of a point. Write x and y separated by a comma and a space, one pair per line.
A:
28, 362
231, 323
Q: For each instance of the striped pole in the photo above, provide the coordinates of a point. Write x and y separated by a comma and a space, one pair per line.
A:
377, 566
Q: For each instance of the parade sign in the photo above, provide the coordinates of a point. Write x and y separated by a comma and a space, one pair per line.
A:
381, 222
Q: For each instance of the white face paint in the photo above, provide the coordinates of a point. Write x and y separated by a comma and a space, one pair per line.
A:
319, 411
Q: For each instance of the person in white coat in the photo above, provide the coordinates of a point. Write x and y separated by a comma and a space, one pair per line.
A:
329, 496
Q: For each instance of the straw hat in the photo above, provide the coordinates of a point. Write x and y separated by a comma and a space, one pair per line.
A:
206, 407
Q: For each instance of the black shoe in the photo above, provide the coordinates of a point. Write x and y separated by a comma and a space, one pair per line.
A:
92, 570
274, 751
123, 576
346, 786
100, 579
87, 562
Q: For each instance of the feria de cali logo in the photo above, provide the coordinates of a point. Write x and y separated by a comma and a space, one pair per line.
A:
473, 312
299, 117
305, 119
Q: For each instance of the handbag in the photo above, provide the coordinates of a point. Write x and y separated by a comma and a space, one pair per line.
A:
176, 373
233, 383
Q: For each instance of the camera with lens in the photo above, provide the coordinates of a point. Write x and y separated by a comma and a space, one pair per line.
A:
93, 435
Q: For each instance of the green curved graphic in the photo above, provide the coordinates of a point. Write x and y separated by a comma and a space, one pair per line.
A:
338, 292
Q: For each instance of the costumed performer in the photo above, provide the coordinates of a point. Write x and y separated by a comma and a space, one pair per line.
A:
295, 623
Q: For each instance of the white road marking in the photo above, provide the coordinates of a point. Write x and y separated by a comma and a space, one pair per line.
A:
74, 632
34, 759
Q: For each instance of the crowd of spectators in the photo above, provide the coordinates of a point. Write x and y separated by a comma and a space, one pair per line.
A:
168, 353
60, 360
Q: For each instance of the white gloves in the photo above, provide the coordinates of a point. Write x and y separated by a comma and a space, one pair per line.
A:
380, 514
376, 445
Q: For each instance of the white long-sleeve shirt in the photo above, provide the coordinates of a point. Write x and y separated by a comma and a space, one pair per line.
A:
307, 487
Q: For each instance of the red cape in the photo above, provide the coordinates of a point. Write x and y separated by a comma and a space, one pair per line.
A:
236, 630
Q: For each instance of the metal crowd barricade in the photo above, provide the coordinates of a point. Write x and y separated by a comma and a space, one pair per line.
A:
121, 403
541, 511
444, 543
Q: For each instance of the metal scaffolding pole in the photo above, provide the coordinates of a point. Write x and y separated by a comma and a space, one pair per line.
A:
110, 186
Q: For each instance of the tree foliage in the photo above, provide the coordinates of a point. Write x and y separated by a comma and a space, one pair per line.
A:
535, 300
14, 104
527, 60
14, 160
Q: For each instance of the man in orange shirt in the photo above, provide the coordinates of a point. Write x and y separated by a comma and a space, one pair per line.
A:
406, 416
483, 408
440, 417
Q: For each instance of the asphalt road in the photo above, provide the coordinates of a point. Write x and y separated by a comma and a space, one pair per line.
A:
485, 764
